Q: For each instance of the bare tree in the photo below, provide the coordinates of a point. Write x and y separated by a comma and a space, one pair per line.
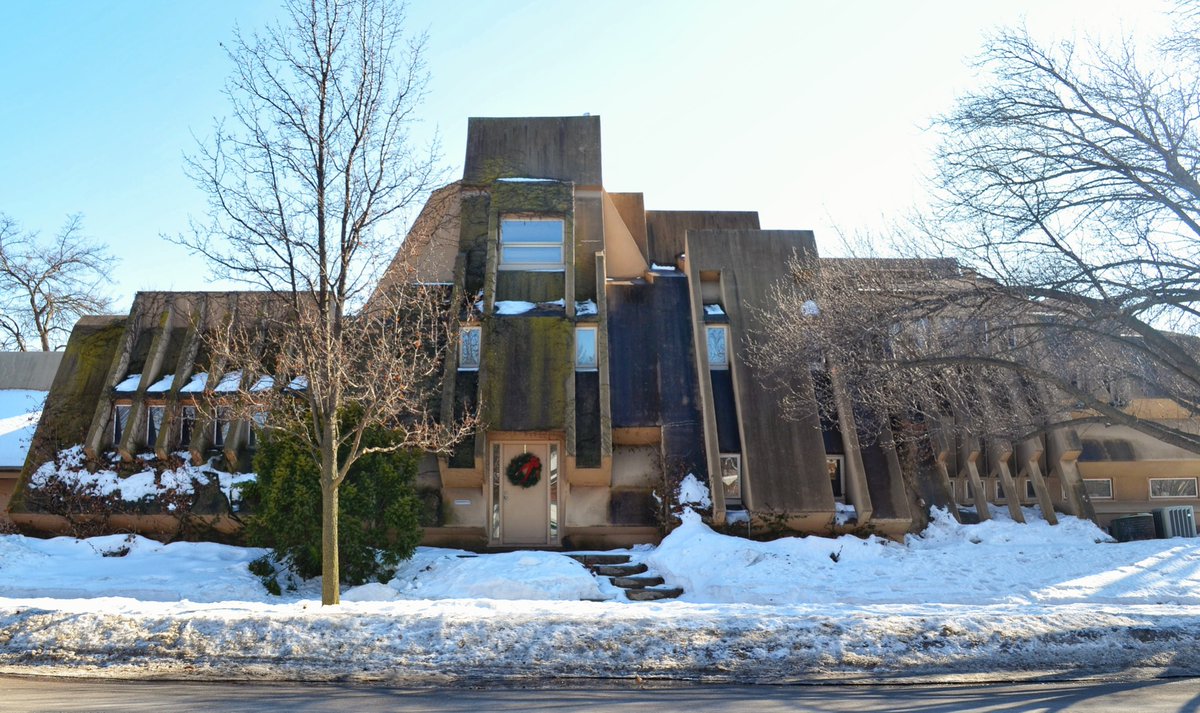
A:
1071, 204
45, 285
306, 184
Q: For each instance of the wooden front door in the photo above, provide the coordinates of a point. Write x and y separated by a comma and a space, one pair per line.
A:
525, 512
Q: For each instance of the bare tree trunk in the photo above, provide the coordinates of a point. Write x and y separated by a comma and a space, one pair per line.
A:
330, 573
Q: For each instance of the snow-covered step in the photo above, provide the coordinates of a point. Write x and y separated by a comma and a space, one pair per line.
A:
638, 583
652, 594
618, 570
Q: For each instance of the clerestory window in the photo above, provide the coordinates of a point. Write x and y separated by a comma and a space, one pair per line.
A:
531, 244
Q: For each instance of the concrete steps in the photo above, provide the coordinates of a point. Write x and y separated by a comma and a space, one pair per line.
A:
629, 576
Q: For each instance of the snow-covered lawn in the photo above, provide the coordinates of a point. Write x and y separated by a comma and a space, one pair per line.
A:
996, 599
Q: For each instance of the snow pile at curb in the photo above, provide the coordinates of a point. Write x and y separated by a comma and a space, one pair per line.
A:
998, 599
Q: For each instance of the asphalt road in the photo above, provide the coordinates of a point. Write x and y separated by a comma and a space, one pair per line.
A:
19, 695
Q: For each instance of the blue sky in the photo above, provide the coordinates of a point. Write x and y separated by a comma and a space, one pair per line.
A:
813, 113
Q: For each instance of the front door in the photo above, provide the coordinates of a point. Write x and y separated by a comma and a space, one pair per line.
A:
525, 512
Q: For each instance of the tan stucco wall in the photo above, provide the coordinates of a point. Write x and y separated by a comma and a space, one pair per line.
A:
636, 467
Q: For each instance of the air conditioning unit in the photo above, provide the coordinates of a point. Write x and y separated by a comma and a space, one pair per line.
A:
1128, 528
1175, 521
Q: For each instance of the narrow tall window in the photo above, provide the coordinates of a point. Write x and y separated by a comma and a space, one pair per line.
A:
257, 421
731, 477
531, 244
585, 349
154, 419
220, 426
837, 477
120, 419
718, 346
468, 348
187, 421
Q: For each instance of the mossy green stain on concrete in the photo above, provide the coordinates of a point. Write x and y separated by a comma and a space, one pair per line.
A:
527, 286
473, 234
526, 369
78, 386
532, 197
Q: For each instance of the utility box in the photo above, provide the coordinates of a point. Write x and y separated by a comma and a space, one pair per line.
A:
1175, 521
1128, 528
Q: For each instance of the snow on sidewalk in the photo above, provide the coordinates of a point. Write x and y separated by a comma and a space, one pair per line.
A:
999, 598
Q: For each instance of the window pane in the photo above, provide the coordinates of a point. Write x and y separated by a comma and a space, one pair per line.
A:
836, 479
154, 419
731, 476
468, 348
585, 348
120, 418
1100, 488
186, 422
1172, 487
531, 255
718, 356
531, 231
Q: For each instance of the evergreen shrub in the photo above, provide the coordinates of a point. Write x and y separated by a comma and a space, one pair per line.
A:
378, 508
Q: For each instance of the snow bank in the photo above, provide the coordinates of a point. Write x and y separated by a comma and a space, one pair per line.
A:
126, 566
997, 600
441, 574
993, 562
20, 410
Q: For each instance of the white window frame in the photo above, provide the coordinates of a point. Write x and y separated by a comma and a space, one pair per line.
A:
465, 362
559, 266
1108, 481
733, 491
713, 361
151, 438
1193, 496
580, 363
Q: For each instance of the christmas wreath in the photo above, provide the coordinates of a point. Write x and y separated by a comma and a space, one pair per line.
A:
525, 470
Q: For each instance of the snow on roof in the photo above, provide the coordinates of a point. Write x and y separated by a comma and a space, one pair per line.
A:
585, 308
195, 385
714, 310
129, 385
264, 383
229, 383
656, 266
513, 307
20, 410
163, 384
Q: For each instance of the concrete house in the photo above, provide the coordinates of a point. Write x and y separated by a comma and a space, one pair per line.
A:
605, 350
